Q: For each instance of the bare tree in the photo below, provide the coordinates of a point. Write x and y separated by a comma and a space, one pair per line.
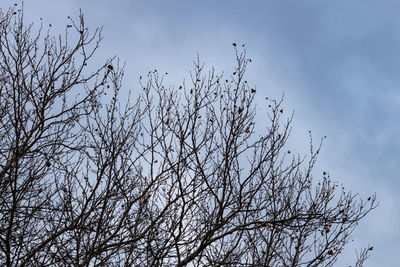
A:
177, 177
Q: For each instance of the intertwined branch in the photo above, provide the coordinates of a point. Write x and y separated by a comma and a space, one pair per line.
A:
177, 177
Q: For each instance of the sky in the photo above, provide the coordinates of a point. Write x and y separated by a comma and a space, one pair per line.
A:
336, 62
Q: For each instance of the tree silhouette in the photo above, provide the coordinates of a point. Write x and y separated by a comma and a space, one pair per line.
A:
177, 177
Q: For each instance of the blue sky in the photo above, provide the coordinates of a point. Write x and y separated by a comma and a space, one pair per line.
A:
338, 63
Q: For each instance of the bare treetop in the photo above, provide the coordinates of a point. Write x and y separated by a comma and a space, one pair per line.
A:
178, 177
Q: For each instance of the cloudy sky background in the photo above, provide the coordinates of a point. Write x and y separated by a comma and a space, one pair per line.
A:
338, 63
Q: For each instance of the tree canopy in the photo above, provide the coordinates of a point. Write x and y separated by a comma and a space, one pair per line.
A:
178, 176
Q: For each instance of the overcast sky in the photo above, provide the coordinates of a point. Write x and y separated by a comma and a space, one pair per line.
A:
338, 63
